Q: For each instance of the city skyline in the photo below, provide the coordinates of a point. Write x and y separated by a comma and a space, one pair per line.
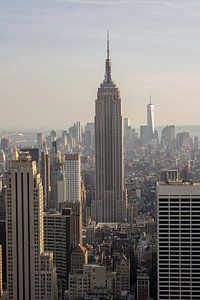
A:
154, 49
99, 211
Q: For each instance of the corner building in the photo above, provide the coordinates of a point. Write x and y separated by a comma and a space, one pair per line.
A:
110, 200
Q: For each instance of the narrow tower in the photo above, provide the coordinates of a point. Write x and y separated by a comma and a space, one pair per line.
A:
150, 120
110, 201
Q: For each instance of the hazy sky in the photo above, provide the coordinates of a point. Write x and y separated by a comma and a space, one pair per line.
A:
52, 55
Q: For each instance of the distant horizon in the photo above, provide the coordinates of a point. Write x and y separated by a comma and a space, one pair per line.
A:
48, 129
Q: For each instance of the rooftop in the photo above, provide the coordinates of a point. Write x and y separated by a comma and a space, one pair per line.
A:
179, 183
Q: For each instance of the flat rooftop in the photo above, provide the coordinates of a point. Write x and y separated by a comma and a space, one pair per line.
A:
179, 182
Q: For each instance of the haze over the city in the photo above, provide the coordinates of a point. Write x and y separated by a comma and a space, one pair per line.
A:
52, 56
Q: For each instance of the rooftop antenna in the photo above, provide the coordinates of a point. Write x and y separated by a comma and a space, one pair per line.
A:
108, 45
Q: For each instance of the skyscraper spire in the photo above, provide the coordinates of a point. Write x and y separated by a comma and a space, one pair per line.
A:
150, 120
108, 78
108, 45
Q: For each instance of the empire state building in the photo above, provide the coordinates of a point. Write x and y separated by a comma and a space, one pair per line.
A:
110, 198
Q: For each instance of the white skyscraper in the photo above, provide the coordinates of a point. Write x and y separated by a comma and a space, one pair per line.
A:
30, 271
73, 177
150, 121
73, 192
178, 229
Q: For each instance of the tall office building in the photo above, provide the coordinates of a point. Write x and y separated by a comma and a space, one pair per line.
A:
3, 231
144, 134
31, 274
58, 183
178, 250
73, 177
183, 140
76, 134
76, 208
128, 135
42, 159
150, 121
168, 136
88, 139
59, 238
73, 192
40, 140
45, 175
110, 200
